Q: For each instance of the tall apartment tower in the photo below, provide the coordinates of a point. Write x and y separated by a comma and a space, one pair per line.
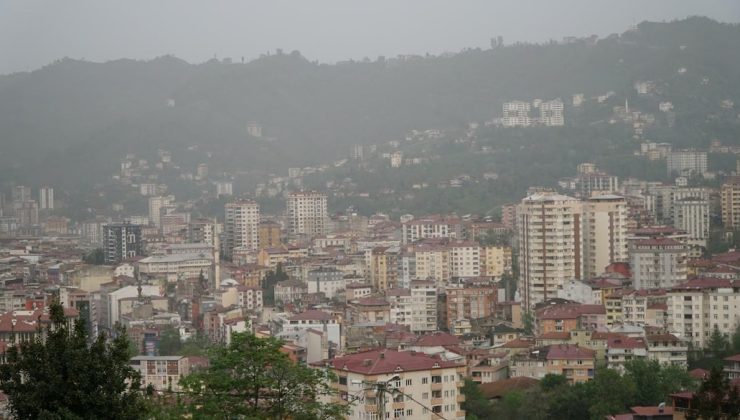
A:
549, 230
730, 202
202, 231
121, 241
604, 233
155, 206
691, 214
307, 213
241, 226
46, 198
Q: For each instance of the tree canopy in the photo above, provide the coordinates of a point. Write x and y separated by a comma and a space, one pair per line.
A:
62, 375
252, 378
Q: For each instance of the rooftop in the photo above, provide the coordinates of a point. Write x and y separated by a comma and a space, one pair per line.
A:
385, 361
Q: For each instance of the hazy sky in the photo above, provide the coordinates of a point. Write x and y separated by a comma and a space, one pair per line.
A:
34, 33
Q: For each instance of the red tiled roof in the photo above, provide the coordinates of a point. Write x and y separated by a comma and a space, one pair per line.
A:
733, 358
662, 337
568, 351
377, 362
569, 311
625, 343
312, 315
704, 283
652, 411
699, 373
437, 339
371, 301
554, 335
519, 343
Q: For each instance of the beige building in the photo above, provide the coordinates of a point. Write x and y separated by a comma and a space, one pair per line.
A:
730, 202
417, 386
241, 226
697, 307
433, 262
161, 372
465, 259
604, 233
383, 267
307, 213
549, 229
495, 261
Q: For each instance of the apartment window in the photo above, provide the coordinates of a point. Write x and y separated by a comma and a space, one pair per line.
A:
425, 380
425, 396
408, 382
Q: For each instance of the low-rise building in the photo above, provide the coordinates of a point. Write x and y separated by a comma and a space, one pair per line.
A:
163, 373
574, 362
417, 386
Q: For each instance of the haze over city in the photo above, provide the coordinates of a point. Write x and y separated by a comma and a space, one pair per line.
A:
35, 33
335, 210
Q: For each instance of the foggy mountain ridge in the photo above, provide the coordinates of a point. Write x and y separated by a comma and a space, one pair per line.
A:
75, 119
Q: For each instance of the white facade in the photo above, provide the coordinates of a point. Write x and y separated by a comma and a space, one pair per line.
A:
155, 206
516, 114
465, 259
46, 198
241, 226
307, 213
658, 263
604, 233
696, 309
423, 306
691, 215
551, 113
549, 228
687, 162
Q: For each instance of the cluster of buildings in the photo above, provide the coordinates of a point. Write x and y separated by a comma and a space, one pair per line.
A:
517, 113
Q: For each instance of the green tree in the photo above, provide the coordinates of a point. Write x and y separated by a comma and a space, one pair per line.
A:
736, 340
718, 344
612, 394
476, 405
95, 257
655, 382
65, 376
169, 342
271, 279
252, 378
571, 402
716, 398
528, 321
552, 381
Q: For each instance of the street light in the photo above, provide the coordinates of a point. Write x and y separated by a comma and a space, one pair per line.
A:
12, 329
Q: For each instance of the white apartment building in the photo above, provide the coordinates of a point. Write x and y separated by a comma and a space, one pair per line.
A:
421, 386
173, 266
465, 259
516, 114
423, 306
241, 226
691, 214
551, 113
658, 263
604, 233
307, 213
155, 206
46, 198
326, 280
549, 234
687, 162
433, 262
697, 307
430, 227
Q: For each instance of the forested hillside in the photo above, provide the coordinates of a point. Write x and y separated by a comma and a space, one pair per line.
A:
72, 119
